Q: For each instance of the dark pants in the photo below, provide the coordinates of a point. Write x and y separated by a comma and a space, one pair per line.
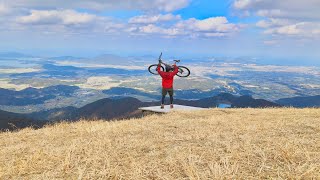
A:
164, 93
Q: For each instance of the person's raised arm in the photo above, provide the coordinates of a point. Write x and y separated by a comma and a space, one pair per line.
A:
161, 73
159, 67
176, 69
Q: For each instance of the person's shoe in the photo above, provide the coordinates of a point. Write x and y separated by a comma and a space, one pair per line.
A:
162, 106
171, 106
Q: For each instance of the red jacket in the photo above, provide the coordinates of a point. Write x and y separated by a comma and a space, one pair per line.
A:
167, 77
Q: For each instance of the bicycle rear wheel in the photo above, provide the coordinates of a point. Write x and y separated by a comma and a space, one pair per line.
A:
183, 71
153, 69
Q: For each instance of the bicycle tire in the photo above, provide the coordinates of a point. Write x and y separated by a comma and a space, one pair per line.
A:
153, 69
183, 71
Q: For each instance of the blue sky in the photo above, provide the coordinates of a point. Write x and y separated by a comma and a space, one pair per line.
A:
202, 9
287, 29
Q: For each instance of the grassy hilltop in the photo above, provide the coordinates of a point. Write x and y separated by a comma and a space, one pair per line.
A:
214, 143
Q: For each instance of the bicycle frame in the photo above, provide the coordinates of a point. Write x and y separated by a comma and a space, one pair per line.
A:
161, 62
182, 69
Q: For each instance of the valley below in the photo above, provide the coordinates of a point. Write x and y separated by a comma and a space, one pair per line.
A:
33, 84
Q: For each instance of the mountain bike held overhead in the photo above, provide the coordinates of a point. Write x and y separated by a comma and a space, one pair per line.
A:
182, 70
168, 76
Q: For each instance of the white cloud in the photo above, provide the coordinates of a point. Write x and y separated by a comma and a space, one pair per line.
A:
65, 17
271, 4
288, 9
69, 22
62, 15
4, 9
295, 9
302, 29
272, 22
294, 18
210, 27
316, 31
270, 42
272, 13
263, 24
169, 5
213, 25
214, 34
145, 5
165, 25
44, 17
285, 30
145, 19
242, 4
152, 29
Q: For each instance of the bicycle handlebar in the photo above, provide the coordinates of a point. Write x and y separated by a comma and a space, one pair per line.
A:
160, 60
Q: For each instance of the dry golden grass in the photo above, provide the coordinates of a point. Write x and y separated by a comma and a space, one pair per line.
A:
208, 144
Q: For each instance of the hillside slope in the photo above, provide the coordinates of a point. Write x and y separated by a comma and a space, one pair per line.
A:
12, 121
301, 102
214, 143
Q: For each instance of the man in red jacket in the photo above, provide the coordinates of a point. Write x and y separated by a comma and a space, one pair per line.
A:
167, 82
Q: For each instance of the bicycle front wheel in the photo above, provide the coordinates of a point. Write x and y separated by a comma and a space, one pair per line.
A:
183, 71
153, 69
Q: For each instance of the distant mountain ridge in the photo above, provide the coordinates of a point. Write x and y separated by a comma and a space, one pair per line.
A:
121, 108
13, 55
301, 102
13, 121
127, 107
64, 58
35, 96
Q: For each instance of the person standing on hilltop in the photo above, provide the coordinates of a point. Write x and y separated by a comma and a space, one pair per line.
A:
167, 81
